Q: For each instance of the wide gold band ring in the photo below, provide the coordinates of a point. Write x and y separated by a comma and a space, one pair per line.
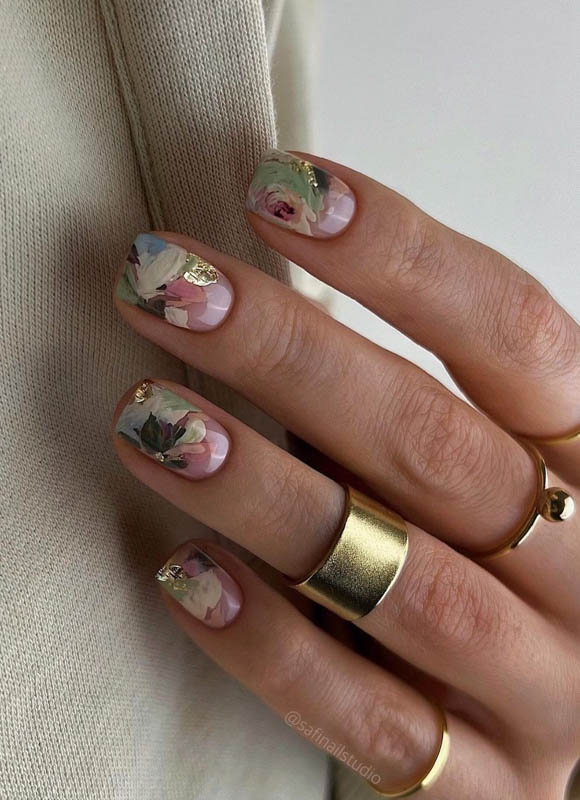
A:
434, 771
363, 563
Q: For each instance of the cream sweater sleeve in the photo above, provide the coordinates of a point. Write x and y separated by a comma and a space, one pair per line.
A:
116, 116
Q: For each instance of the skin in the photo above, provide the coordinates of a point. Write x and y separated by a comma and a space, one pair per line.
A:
496, 644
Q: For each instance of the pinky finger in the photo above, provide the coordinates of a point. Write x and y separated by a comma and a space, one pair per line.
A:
372, 721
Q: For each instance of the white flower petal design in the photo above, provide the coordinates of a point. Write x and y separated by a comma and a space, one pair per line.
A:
155, 270
194, 432
204, 593
177, 316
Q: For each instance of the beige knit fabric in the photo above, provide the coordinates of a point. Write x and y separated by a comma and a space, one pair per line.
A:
115, 116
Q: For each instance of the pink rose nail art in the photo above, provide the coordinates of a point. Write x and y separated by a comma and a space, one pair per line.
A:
171, 283
171, 430
201, 586
298, 195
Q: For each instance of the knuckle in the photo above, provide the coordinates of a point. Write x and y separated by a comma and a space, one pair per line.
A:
449, 603
532, 331
408, 246
421, 257
377, 733
282, 344
439, 443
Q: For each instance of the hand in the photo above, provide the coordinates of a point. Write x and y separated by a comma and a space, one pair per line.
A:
498, 639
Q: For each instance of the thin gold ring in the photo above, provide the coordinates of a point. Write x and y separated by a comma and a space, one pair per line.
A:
434, 771
572, 436
550, 503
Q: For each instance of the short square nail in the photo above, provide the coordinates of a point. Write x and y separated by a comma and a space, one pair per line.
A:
298, 195
201, 586
173, 432
173, 284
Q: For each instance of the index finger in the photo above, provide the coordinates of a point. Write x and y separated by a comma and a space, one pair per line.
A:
505, 340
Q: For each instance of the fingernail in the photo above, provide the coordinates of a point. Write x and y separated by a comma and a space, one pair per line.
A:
173, 432
299, 195
201, 586
174, 284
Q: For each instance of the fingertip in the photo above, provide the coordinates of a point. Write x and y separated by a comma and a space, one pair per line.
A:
200, 585
167, 427
301, 196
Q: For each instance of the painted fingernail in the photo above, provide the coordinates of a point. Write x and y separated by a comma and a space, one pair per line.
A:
201, 586
299, 195
169, 429
174, 284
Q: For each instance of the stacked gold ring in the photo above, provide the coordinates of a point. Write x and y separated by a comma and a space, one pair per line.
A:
371, 546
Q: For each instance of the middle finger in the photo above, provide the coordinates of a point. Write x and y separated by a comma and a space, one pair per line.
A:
377, 414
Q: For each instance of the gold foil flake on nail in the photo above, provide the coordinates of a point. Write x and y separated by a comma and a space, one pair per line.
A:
143, 392
305, 166
170, 572
201, 273
174, 576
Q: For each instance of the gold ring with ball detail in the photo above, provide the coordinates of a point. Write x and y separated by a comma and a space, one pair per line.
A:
550, 503
364, 561
434, 771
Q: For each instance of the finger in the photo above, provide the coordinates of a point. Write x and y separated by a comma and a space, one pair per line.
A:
542, 570
433, 458
378, 415
447, 616
376, 723
564, 458
505, 340
242, 497
409, 439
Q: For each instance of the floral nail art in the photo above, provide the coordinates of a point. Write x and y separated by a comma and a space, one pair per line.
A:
169, 429
298, 195
171, 283
201, 586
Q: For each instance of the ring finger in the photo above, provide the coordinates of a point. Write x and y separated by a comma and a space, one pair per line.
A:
444, 614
